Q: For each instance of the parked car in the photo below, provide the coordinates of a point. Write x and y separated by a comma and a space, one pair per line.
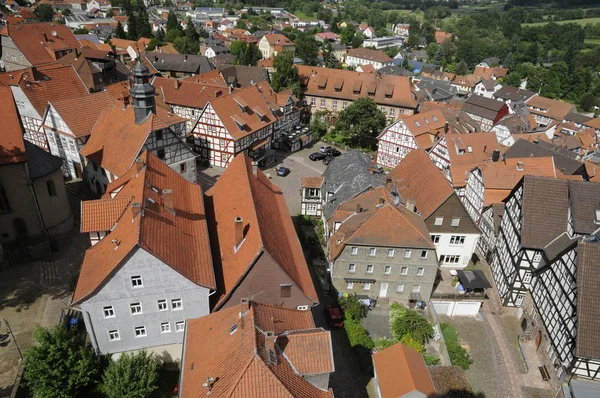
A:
283, 171
317, 156
327, 160
334, 316
333, 152
325, 148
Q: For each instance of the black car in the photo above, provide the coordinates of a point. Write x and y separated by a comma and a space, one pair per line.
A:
317, 156
333, 152
283, 171
327, 160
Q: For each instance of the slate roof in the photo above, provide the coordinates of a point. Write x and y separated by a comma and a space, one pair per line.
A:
396, 71
473, 279
262, 207
513, 93
231, 346
12, 146
185, 63
577, 117
346, 177
563, 158
39, 162
243, 76
482, 106
588, 297
585, 199
177, 236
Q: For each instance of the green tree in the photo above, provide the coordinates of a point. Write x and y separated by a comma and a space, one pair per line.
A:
307, 48
440, 56
360, 122
110, 13
413, 343
461, 68
241, 25
120, 32
131, 376
44, 12
143, 28
347, 35
80, 31
186, 46
414, 324
153, 44
353, 308
132, 27
588, 101
190, 31
173, 35
357, 40
286, 74
319, 125
329, 59
509, 61
57, 366
66, 12
172, 23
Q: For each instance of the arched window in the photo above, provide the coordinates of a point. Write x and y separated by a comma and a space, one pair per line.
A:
51, 188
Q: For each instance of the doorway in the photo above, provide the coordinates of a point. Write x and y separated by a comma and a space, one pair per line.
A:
383, 289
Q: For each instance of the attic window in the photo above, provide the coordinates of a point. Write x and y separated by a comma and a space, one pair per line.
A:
242, 104
435, 119
322, 82
426, 121
597, 216
470, 149
339, 83
520, 166
356, 87
417, 124
260, 113
233, 329
239, 122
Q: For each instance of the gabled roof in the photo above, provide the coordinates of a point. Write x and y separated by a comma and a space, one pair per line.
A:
116, 139
485, 107
243, 76
178, 236
185, 93
431, 122
402, 371
554, 109
585, 200
369, 54
232, 347
269, 228
12, 147
179, 62
563, 158
102, 214
588, 297
278, 39
417, 178
80, 114
52, 82
467, 151
312, 182
513, 93
39, 41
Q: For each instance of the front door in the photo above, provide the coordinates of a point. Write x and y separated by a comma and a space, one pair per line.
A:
383, 290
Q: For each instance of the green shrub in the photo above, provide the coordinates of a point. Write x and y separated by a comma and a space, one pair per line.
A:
414, 324
411, 342
357, 334
458, 355
353, 308
396, 311
384, 343
431, 360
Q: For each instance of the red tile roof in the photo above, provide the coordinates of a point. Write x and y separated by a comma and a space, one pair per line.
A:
467, 151
102, 214
179, 237
12, 147
213, 77
401, 371
278, 39
261, 205
81, 114
116, 139
441, 36
39, 41
312, 182
230, 346
298, 347
554, 109
187, 93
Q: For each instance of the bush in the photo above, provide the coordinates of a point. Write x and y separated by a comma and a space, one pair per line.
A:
396, 311
357, 334
458, 355
431, 360
411, 342
384, 343
414, 324
132, 376
353, 308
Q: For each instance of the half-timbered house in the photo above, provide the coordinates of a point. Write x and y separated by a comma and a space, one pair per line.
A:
420, 130
246, 121
546, 110
312, 196
122, 133
68, 125
485, 110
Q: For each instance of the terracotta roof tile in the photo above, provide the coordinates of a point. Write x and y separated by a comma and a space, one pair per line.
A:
12, 147
179, 237
39, 41
261, 205
463, 159
230, 346
102, 214
307, 351
417, 178
278, 39
441, 36
187, 93
553, 109
312, 182
80, 114
213, 77
368, 54
401, 371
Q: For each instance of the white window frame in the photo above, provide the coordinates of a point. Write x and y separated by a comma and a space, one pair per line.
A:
387, 270
457, 240
178, 306
439, 221
137, 282
133, 308
109, 312
423, 257
140, 331
371, 267
420, 271
114, 335
455, 222
519, 300
366, 286
179, 326
163, 305
349, 285
435, 239
527, 277
400, 288
416, 289
407, 253
372, 252
391, 252
351, 268
404, 271
165, 327
302, 307
354, 251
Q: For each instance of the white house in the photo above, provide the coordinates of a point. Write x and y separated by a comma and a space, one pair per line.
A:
365, 56
487, 88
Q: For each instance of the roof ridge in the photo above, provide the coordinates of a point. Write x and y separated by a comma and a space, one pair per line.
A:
428, 238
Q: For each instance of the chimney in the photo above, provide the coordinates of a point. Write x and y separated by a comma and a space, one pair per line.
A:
139, 164
410, 204
167, 197
520, 166
255, 168
358, 208
381, 201
495, 155
239, 232
446, 127
176, 83
270, 347
136, 209
388, 184
230, 88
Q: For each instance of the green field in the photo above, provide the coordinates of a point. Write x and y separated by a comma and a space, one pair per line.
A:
584, 21
592, 42
302, 16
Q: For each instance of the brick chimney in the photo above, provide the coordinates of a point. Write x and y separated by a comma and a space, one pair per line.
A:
270, 347
358, 208
381, 201
167, 198
239, 231
176, 84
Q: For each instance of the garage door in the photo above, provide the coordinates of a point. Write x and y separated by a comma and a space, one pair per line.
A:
442, 307
468, 308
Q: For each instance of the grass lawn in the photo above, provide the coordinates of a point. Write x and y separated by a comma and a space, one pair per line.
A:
304, 17
592, 42
582, 22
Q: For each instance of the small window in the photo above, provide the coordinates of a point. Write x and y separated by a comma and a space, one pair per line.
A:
354, 251
176, 304
370, 269
51, 188
113, 335
352, 268
400, 288
159, 135
182, 168
136, 281
162, 305
420, 271
457, 240
390, 252
179, 326
519, 300
285, 290
387, 269
424, 254
372, 251
140, 331
109, 312
165, 327
407, 253
404, 271
416, 288
439, 220
435, 239
136, 308
537, 257
349, 285
160, 153
527, 277
367, 286
455, 221
302, 307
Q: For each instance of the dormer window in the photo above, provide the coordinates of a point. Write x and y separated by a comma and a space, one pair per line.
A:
242, 104
597, 221
417, 124
435, 119
470, 149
